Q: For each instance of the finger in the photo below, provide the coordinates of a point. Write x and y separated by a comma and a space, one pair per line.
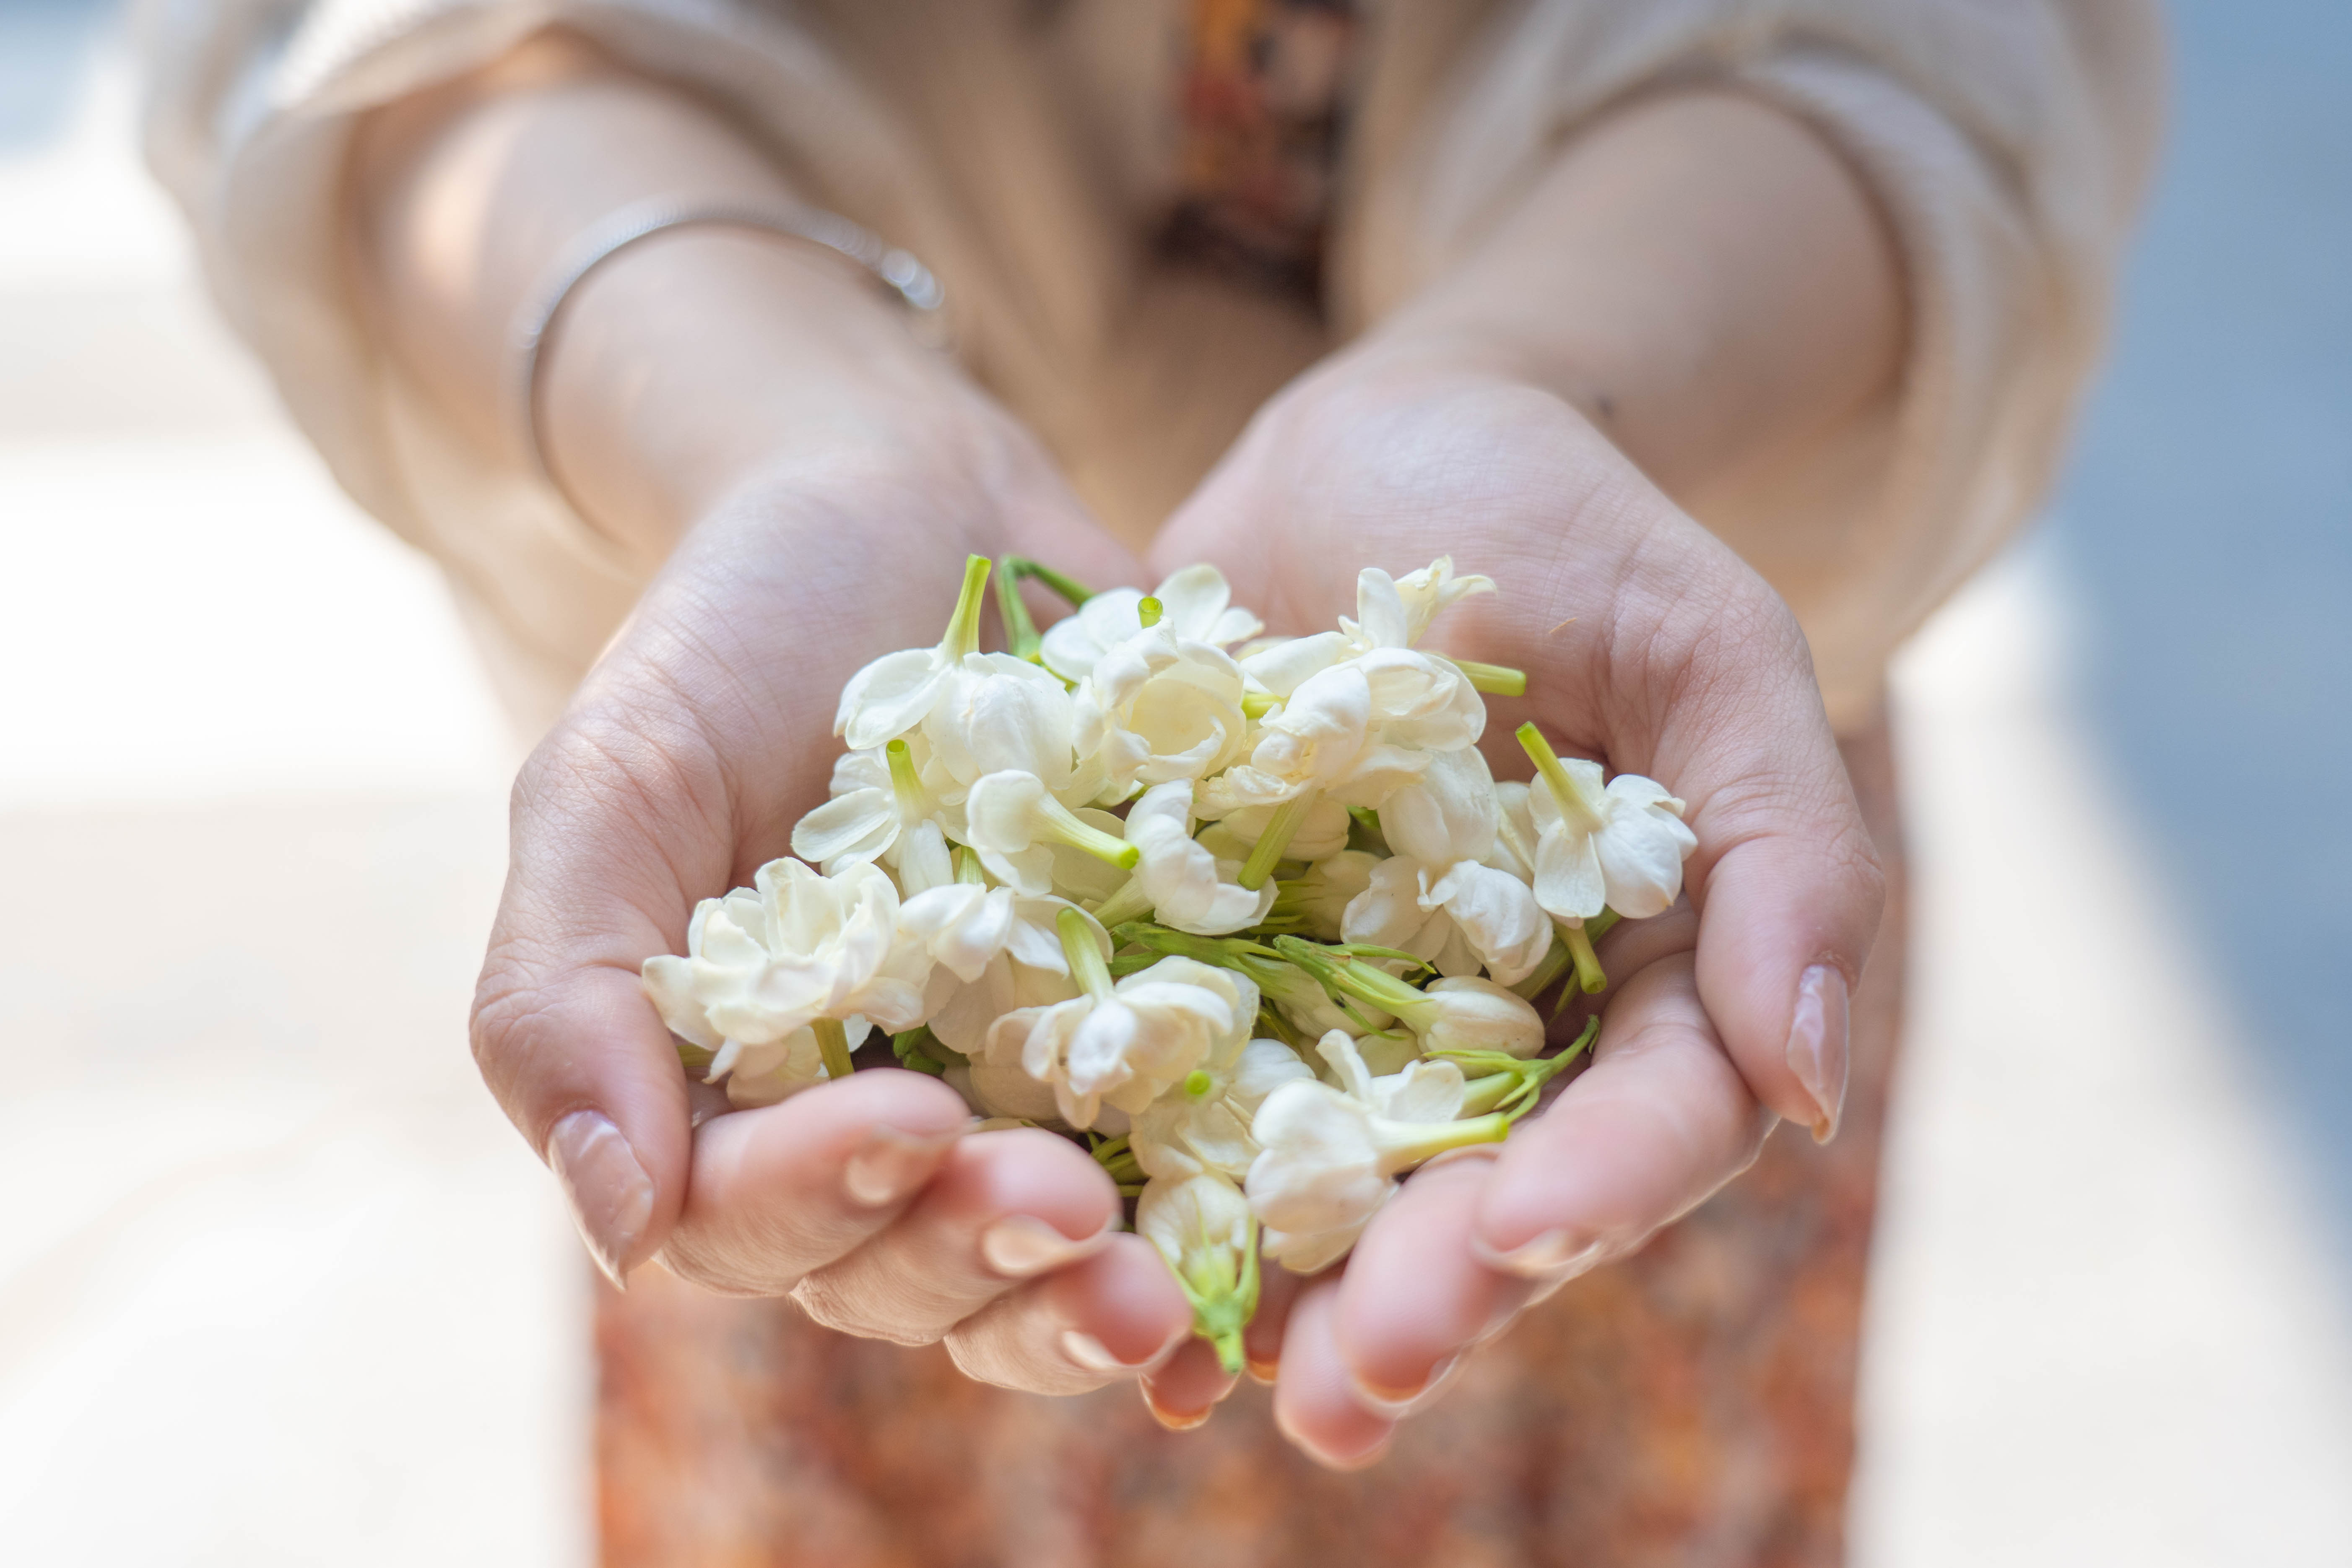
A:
1004, 1207
1262, 1341
777, 1192
1786, 879
1315, 1401
561, 1029
1416, 1297
1186, 1389
1105, 1319
1659, 1120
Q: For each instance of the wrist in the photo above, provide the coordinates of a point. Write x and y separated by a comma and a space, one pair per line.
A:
704, 357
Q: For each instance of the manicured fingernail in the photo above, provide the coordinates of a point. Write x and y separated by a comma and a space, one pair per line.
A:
1174, 1420
1095, 1356
1398, 1402
1817, 1045
1021, 1245
889, 1164
1342, 1462
1554, 1255
612, 1197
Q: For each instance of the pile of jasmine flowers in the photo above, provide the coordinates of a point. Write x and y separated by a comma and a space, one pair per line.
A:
1248, 917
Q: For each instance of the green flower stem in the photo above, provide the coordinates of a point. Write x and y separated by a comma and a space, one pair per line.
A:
1405, 1144
1287, 819
903, 783
1509, 1085
1258, 704
963, 627
912, 1049
1495, 679
1020, 627
1340, 973
1149, 610
1222, 1302
1062, 825
1086, 966
833, 1044
1129, 904
1600, 924
1564, 793
1540, 979
1590, 978
1022, 568
967, 869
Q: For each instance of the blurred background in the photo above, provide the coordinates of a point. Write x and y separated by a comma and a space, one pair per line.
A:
277, 1273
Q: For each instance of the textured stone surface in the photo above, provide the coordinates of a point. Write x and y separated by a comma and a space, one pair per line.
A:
1692, 1405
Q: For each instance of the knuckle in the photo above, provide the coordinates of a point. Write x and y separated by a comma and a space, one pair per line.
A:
840, 1305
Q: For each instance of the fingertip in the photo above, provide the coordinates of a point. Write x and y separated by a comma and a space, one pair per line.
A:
1315, 1403
1186, 1389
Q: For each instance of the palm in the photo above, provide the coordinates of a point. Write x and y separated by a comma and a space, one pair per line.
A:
1647, 645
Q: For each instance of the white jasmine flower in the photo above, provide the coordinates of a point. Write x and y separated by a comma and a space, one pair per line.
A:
1322, 832
1623, 846
1391, 613
1161, 707
1425, 595
892, 695
1202, 1124
1202, 1226
1196, 604
1437, 899
1013, 821
1459, 1013
877, 796
794, 953
1177, 879
1128, 1042
1330, 1156
995, 713
1321, 898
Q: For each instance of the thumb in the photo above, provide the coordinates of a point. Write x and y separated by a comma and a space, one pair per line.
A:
609, 848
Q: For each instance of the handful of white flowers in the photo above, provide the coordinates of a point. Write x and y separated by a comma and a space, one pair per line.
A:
1247, 915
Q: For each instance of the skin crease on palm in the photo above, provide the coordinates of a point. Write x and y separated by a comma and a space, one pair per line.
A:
1697, 291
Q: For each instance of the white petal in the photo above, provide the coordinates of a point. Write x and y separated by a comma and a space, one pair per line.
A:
1499, 917
1001, 811
1568, 883
1378, 609
1286, 665
1446, 814
854, 827
889, 697
1641, 856
1191, 599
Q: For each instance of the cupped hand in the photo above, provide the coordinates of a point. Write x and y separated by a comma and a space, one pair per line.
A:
681, 765
1649, 645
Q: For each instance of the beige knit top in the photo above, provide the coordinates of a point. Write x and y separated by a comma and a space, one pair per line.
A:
1028, 151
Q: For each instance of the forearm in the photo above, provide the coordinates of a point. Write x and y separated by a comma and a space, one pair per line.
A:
685, 364
1701, 274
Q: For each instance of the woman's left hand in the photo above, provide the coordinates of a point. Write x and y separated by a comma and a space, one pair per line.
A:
1648, 643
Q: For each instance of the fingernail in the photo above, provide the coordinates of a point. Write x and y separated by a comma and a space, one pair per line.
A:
1817, 1045
612, 1197
1095, 1356
1553, 1256
1021, 1245
1263, 1371
888, 1164
1398, 1402
1340, 1462
1174, 1420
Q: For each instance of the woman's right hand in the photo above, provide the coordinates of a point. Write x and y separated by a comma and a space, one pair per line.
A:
681, 765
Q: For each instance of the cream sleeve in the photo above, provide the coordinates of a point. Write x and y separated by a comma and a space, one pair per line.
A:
250, 106
2009, 143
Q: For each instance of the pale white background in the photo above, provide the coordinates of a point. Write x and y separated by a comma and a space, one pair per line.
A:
279, 1286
